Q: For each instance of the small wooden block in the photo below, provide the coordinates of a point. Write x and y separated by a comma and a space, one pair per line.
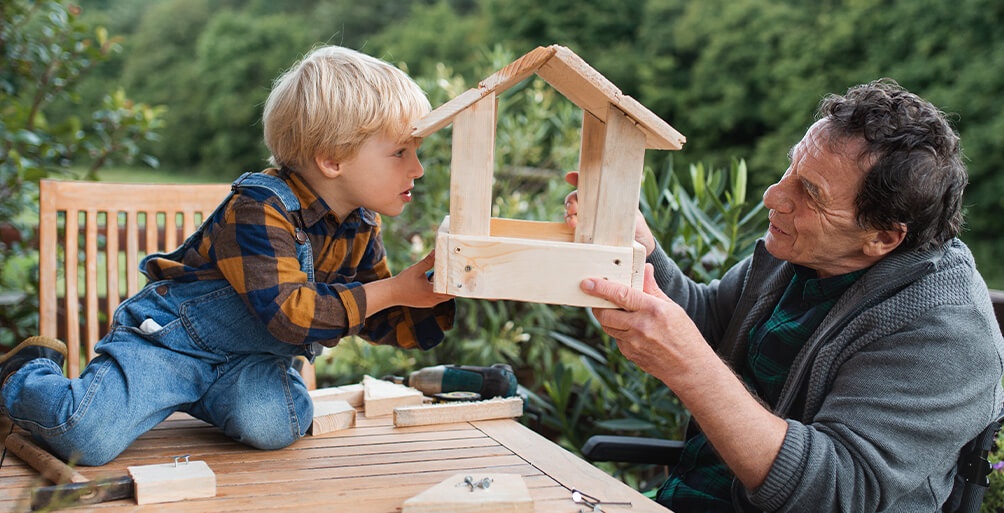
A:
352, 394
332, 416
505, 493
445, 413
381, 397
170, 482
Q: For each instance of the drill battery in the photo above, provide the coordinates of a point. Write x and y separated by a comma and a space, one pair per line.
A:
495, 381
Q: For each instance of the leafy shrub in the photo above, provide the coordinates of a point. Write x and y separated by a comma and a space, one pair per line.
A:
46, 50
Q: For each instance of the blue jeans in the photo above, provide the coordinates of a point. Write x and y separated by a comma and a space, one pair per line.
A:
203, 353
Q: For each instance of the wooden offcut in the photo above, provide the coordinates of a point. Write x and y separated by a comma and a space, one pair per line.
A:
483, 257
380, 397
352, 394
171, 482
445, 413
332, 416
505, 493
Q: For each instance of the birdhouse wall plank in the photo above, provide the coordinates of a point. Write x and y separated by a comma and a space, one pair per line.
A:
472, 168
620, 182
536, 230
590, 167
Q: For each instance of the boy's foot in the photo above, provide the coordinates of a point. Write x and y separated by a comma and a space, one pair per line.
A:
30, 349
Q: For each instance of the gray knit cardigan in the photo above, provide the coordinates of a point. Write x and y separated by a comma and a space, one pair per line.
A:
905, 369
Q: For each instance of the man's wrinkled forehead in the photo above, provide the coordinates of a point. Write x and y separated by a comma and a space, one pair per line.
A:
820, 140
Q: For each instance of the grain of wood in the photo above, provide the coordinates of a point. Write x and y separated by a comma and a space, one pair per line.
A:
445, 413
332, 416
506, 493
381, 397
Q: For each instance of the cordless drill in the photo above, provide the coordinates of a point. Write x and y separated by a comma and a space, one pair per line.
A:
495, 381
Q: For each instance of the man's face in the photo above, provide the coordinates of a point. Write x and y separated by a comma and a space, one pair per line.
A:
812, 212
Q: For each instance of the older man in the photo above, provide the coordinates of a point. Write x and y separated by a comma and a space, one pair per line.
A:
844, 364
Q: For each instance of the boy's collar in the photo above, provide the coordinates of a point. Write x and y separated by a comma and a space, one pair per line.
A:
313, 207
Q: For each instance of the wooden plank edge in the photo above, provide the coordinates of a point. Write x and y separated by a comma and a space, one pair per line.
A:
444, 413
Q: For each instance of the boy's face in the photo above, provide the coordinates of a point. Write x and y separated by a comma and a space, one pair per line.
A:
379, 177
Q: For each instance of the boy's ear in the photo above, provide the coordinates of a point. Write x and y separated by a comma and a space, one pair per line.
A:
328, 166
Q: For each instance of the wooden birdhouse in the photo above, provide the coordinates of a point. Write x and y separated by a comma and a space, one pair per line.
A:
543, 262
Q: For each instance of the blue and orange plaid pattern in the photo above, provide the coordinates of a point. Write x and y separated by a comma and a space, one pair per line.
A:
251, 244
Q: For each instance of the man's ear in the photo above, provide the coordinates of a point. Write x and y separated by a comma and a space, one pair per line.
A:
884, 242
328, 166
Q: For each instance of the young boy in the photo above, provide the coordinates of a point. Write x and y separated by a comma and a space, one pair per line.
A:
291, 261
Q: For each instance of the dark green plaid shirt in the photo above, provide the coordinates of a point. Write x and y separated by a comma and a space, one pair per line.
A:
701, 482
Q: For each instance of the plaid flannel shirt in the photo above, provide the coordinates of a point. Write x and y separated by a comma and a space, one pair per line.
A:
251, 244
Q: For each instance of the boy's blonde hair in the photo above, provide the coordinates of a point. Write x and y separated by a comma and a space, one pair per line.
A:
331, 101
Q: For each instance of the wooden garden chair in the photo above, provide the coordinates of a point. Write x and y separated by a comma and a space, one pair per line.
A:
92, 236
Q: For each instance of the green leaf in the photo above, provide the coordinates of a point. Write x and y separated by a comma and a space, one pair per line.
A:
578, 346
625, 424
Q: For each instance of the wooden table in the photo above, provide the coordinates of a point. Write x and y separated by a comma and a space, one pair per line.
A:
373, 467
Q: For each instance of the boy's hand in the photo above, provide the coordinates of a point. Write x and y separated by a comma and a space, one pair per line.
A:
642, 233
409, 288
414, 285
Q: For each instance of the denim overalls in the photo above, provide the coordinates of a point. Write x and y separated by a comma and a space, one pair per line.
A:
174, 346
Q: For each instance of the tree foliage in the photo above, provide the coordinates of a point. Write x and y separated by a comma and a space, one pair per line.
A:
740, 79
46, 52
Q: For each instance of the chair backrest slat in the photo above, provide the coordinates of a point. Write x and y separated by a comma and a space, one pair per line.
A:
132, 253
71, 281
94, 218
91, 277
111, 261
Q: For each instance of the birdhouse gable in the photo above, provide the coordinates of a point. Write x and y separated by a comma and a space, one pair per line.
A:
481, 257
571, 76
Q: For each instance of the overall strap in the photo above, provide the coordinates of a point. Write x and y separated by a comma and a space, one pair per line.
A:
279, 188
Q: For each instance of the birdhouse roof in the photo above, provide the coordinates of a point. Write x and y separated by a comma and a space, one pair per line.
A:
572, 77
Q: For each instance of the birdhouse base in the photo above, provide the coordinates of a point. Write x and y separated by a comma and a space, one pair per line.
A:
530, 261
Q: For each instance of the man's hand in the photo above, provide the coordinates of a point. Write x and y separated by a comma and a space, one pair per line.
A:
651, 330
642, 233
656, 334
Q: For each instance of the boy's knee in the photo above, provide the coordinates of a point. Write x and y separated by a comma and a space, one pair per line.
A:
269, 429
88, 449
260, 434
